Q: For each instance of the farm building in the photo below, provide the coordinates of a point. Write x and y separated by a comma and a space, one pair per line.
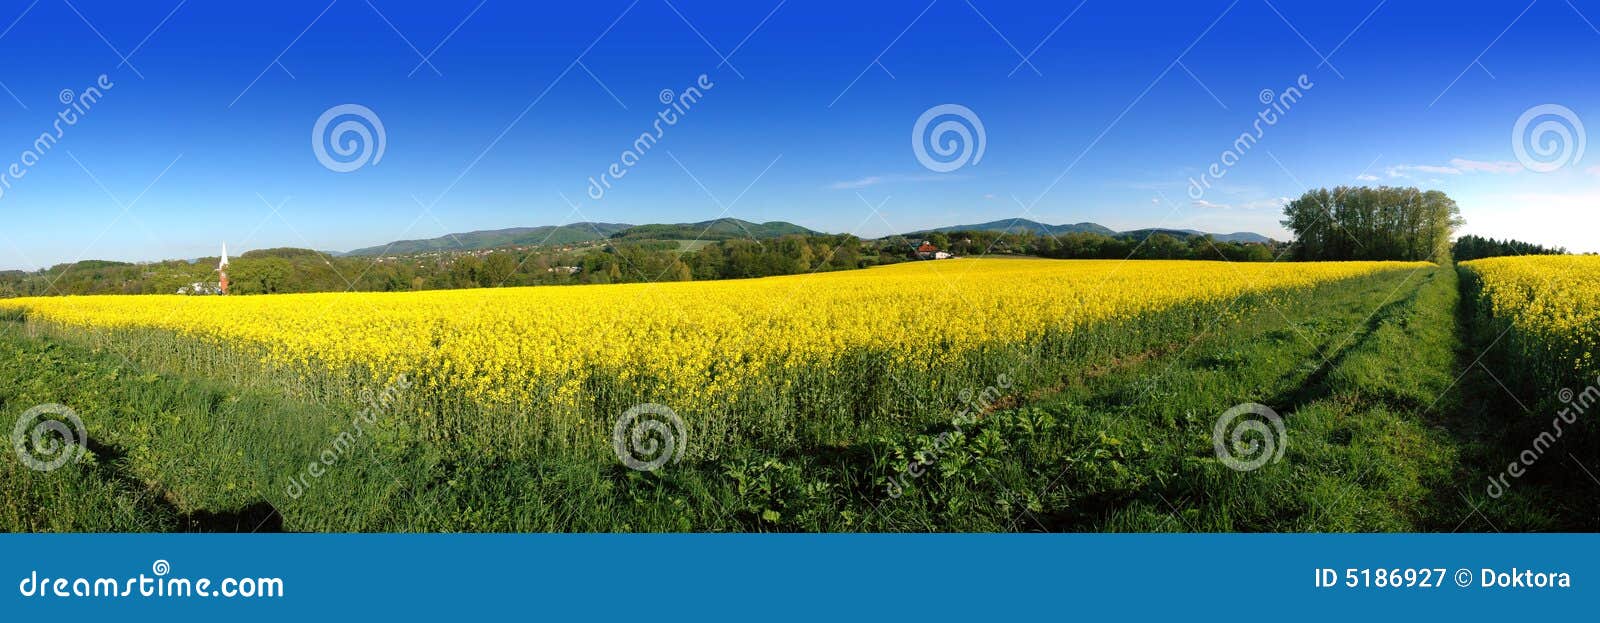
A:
929, 252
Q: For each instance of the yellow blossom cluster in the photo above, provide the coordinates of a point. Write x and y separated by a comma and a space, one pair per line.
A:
1552, 301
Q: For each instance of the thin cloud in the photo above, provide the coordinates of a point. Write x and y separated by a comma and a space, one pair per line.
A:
1457, 166
1261, 204
1498, 166
1367, 177
874, 180
1274, 203
1405, 170
854, 184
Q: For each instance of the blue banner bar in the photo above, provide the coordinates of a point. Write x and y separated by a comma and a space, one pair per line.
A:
799, 577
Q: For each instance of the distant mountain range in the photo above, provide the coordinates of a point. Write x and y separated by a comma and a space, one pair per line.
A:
573, 233
1016, 226
726, 229
719, 229
515, 236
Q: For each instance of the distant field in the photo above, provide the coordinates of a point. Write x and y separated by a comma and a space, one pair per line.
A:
952, 395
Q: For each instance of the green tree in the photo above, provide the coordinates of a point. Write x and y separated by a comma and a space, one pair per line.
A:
1363, 223
497, 269
465, 270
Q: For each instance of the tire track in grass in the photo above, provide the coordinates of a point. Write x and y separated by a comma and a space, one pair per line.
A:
1358, 454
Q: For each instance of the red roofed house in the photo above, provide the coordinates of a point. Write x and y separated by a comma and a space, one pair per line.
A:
929, 252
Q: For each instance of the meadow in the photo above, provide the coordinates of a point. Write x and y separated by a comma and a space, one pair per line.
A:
987, 394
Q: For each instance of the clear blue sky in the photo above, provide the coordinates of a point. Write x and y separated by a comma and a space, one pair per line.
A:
502, 128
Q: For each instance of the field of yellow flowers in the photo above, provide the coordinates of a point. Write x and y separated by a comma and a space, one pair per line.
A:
1546, 310
768, 358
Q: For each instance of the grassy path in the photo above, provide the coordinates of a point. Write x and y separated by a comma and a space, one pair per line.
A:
1377, 437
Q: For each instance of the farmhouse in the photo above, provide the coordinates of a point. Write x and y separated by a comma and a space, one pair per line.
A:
929, 252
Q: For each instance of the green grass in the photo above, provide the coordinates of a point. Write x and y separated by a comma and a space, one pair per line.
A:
1112, 435
1509, 395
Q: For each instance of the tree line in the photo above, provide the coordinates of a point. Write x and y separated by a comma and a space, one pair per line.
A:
1343, 223
1475, 247
1363, 223
281, 271
1151, 245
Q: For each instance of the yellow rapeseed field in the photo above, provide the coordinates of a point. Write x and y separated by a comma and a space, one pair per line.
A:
1551, 302
700, 347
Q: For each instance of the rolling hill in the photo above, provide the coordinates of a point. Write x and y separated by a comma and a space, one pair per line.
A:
718, 229
489, 239
1019, 225
1025, 225
1243, 236
727, 229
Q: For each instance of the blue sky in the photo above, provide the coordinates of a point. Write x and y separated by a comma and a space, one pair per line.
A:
206, 135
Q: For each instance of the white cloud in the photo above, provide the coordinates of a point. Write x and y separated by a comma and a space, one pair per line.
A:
1497, 166
1265, 204
1457, 166
1367, 178
858, 183
1261, 204
1405, 170
874, 180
